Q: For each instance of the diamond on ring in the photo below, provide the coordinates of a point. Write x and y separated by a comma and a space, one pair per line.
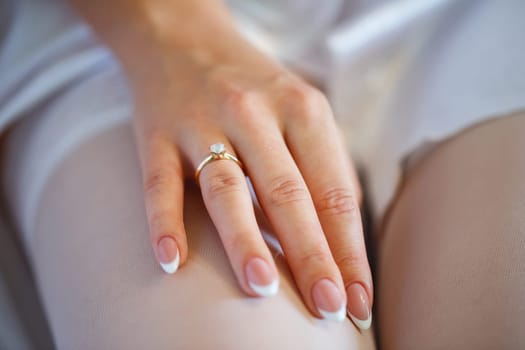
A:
217, 152
217, 148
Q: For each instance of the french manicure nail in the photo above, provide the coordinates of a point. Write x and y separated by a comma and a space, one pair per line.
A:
168, 254
358, 306
330, 302
261, 277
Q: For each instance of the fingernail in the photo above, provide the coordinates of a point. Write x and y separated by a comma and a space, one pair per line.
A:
329, 300
168, 254
358, 306
261, 277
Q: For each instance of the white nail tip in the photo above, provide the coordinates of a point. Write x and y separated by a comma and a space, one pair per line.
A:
361, 324
268, 290
338, 315
172, 266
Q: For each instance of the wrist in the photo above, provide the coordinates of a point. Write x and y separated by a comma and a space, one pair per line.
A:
141, 33
182, 49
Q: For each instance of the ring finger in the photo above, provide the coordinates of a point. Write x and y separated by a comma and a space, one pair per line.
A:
227, 199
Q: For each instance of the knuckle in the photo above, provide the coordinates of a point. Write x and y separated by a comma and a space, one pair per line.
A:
348, 262
314, 257
155, 181
222, 183
286, 190
308, 102
337, 201
241, 103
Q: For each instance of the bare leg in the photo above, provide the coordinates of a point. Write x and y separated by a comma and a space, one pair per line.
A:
451, 273
102, 288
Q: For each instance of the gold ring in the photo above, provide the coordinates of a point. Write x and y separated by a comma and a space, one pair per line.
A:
217, 152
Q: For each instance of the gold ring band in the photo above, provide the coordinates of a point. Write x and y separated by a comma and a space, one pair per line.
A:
217, 152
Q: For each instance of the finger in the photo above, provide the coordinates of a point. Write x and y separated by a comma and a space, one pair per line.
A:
163, 192
318, 149
288, 205
227, 199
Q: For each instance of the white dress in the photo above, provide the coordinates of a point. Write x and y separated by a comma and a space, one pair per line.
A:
399, 74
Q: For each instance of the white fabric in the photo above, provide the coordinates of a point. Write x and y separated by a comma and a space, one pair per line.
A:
398, 73
58, 128
46, 48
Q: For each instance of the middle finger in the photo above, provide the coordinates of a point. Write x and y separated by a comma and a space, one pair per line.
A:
286, 201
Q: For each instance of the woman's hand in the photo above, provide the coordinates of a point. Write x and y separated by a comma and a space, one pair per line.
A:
213, 87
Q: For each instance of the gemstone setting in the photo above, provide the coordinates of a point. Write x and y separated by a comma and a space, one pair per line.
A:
217, 148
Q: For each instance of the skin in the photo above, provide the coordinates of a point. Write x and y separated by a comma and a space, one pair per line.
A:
195, 82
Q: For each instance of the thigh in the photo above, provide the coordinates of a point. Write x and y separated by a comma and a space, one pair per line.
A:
102, 288
451, 270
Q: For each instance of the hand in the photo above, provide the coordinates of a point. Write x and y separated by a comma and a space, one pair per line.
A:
284, 132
